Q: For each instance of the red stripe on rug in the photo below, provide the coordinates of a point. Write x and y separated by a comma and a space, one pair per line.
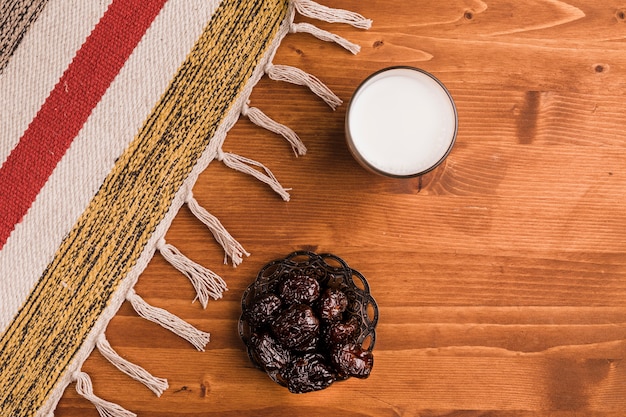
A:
68, 106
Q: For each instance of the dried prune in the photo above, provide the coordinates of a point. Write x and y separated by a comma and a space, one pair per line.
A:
308, 373
268, 353
333, 303
352, 360
263, 309
311, 345
300, 289
340, 333
296, 327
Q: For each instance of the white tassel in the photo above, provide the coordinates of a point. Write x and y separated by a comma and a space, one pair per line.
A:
206, 282
232, 248
315, 10
105, 408
136, 372
297, 76
259, 118
242, 164
324, 35
169, 321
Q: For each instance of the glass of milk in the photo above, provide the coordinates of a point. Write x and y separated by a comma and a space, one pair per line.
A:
401, 122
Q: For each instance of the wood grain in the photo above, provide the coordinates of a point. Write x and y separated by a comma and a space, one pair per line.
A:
500, 276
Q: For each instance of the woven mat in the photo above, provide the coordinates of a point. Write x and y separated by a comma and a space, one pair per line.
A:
110, 111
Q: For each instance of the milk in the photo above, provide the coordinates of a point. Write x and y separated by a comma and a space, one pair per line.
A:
401, 122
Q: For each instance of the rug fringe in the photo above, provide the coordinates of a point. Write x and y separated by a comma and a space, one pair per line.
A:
232, 248
169, 321
246, 165
297, 76
324, 35
136, 372
206, 282
315, 10
84, 388
260, 119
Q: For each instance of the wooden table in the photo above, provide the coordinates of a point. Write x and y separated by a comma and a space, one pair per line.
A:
500, 276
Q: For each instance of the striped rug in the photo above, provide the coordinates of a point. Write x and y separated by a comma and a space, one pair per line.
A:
110, 109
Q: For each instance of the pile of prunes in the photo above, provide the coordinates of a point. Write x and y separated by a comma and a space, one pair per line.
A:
307, 323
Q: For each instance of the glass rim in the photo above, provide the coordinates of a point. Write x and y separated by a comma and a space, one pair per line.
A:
362, 160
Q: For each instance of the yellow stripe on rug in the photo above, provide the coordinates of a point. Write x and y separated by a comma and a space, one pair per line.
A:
112, 233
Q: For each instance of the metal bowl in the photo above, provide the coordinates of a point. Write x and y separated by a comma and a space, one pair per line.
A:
330, 271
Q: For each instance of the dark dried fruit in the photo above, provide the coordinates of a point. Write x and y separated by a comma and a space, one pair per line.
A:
296, 327
310, 345
308, 373
352, 360
263, 309
340, 333
332, 304
269, 354
300, 289
302, 321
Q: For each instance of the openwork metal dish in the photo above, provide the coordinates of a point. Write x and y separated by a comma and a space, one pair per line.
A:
331, 272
